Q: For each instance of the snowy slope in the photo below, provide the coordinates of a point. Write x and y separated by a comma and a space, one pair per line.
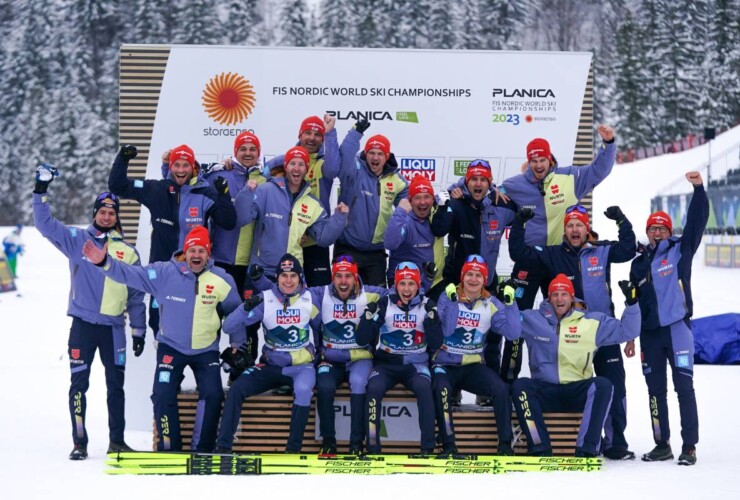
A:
34, 376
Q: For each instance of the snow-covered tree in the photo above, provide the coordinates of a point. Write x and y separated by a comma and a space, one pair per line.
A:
293, 24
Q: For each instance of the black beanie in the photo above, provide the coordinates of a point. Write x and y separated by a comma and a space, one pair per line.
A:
108, 200
289, 264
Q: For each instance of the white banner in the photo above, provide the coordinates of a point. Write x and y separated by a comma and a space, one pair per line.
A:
440, 109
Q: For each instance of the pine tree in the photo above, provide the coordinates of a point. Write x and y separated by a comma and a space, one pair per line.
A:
501, 20
149, 23
196, 23
469, 31
243, 22
294, 28
440, 25
338, 23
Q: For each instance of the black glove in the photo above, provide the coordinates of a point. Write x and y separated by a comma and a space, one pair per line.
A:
431, 309
255, 272
252, 302
128, 152
138, 345
614, 213
430, 269
629, 291
222, 185
524, 214
370, 310
506, 292
236, 362
362, 125
45, 174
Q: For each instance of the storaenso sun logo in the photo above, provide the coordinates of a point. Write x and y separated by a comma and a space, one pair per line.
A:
228, 98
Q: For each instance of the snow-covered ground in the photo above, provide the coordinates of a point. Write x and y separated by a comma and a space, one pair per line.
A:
34, 377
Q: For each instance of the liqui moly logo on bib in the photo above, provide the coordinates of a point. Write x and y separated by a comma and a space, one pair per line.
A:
404, 321
345, 311
288, 317
467, 318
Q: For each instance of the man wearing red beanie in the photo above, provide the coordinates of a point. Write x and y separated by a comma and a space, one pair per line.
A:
194, 294
372, 185
590, 266
548, 189
177, 203
319, 138
561, 340
409, 237
663, 272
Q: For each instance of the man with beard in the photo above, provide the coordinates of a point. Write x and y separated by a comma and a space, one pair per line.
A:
409, 234
561, 340
194, 295
589, 267
371, 186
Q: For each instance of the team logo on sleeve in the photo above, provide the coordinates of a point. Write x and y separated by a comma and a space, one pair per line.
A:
209, 289
75, 353
167, 359
193, 211
288, 317
594, 261
119, 255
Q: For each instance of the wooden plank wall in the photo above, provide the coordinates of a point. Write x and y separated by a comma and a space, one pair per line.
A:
266, 420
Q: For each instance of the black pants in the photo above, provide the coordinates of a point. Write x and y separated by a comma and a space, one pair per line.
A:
245, 288
316, 266
84, 339
371, 266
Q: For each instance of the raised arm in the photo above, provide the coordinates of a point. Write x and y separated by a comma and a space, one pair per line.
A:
697, 215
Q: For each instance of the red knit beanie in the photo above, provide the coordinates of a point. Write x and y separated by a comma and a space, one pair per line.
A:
198, 236
297, 152
420, 185
538, 148
576, 215
561, 283
380, 142
475, 263
479, 168
183, 152
660, 218
407, 271
312, 123
245, 138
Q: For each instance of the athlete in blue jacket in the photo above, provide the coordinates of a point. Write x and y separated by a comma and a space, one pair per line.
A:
469, 315
371, 187
193, 295
319, 138
286, 214
398, 324
96, 305
290, 321
561, 340
588, 265
662, 273
176, 204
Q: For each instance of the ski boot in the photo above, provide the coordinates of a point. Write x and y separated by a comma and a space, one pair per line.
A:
662, 451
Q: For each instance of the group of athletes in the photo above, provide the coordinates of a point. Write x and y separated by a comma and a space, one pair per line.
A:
239, 245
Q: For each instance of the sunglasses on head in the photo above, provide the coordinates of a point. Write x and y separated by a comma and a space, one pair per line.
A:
576, 208
479, 163
475, 258
407, 265
107, 194
344, 258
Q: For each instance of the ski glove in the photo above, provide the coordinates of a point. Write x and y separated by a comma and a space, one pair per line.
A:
128, 152
506, 292
629, 291
524, 214
222, 185
370, 310
138, 345
430, 269
442, 198
362, 125
255, 272
614, 213
252, 302
45, 174
451, 291
431, 308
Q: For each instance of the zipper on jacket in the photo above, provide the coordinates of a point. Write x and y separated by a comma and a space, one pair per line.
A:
196, 285
585, 367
